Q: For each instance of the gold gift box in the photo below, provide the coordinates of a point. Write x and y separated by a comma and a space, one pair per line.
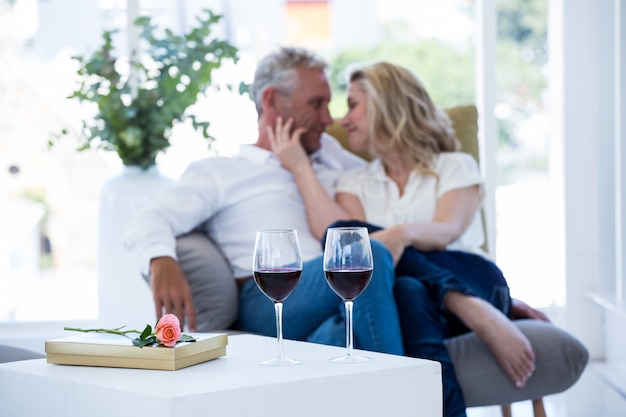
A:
117, 351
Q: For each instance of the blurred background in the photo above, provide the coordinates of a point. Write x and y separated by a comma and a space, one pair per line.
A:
49, 196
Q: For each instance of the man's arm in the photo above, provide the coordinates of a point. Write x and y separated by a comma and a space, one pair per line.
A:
151, 239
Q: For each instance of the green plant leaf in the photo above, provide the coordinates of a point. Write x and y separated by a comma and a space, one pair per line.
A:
144, 342
187, 338
136, 113
146, 332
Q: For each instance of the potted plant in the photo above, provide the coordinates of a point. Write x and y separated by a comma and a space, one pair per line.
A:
137, 108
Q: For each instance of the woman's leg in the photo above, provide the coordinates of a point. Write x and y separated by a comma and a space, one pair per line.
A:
481, 275
487, 315
484, 309
438, 279
464, 285
423, 331
508, 344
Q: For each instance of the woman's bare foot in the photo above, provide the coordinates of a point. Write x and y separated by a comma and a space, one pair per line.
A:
508, 344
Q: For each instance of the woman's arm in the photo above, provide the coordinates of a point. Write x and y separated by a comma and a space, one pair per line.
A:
352, 206
321, 209
453, 215
393, 238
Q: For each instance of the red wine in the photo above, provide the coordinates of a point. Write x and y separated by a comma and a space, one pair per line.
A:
348, 283
277, 283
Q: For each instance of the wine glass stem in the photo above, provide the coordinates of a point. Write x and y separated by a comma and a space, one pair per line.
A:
349, 330
278, 307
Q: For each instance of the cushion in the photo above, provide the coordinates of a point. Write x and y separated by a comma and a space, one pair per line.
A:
465, 124
11, 353
560, 360
215, 292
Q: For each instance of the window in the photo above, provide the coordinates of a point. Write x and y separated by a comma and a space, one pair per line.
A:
526, 216
51, 274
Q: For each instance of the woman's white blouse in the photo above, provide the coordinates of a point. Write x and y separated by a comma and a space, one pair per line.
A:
384, 206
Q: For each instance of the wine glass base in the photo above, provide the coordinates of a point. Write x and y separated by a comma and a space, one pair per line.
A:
350, 359
281, 362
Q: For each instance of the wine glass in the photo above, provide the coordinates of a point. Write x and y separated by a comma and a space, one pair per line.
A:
276, 267
348, 270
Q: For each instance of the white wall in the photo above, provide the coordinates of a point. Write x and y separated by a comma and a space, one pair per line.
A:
620, 147
582, 39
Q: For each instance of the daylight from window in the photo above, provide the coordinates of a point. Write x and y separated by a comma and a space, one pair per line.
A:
49, 210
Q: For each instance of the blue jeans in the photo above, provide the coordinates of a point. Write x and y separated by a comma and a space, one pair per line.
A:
424, 330
448, 270
314, 313
478, 277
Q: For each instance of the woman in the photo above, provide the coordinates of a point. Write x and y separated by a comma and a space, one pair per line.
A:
425, 194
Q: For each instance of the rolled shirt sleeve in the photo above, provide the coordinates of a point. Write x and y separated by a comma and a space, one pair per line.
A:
175, 211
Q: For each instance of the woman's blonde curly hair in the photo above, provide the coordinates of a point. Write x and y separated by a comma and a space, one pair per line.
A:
402, 117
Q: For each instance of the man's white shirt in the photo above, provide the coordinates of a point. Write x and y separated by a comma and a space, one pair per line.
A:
230, 199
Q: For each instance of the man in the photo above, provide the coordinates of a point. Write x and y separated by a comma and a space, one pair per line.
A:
231, 198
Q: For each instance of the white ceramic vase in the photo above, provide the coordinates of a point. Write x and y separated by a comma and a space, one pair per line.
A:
124, 296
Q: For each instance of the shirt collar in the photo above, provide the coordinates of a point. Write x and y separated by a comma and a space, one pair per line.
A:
377, 169
259, 155
328, 154
317, 157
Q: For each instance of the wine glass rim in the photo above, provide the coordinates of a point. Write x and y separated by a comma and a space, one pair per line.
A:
348, 228
276, 230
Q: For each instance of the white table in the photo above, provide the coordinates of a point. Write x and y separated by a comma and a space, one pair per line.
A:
234, 385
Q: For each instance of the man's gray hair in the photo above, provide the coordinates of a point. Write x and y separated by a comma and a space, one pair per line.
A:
278, 70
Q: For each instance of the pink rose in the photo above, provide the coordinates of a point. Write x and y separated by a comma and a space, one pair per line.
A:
168, 330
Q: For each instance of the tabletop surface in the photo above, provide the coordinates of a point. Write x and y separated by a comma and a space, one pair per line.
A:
235, 385
238, 369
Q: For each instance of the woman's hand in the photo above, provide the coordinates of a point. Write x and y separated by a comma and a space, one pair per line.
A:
286, 144
521, 310
394, 239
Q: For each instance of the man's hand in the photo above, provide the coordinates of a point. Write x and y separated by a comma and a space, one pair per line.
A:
171, 291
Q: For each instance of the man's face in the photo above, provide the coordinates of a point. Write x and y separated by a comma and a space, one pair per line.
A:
307, 104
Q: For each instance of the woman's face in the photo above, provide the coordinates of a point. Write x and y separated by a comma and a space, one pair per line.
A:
355, 121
